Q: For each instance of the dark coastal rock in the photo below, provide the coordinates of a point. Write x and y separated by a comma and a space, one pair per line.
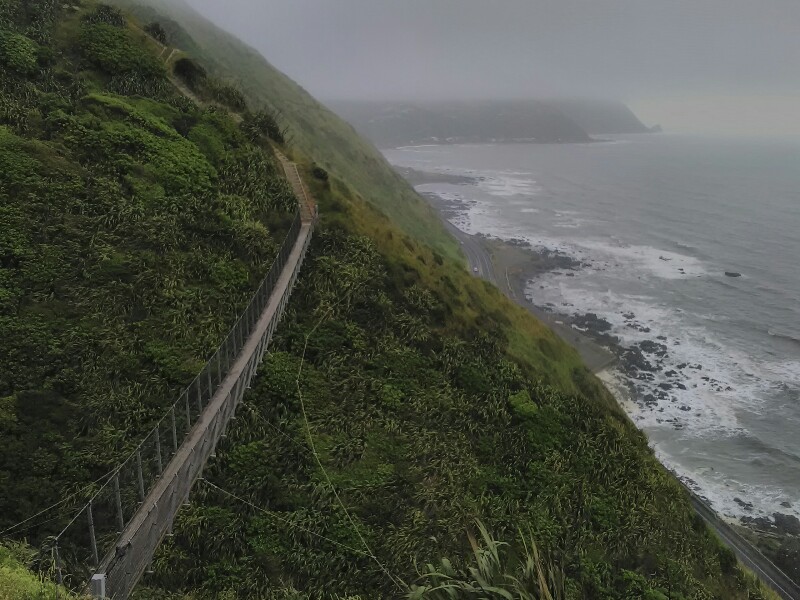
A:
682, 366
633, 360
665, 386
732, 274
786, 504
762, 523
651, 347
671, 373
787, 523
685, 408
663, 338
638, 327
592, 322
743, 504
680, 386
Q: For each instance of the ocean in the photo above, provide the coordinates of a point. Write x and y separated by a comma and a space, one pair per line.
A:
687, 250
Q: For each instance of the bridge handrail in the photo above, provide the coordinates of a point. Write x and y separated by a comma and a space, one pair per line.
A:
90, 535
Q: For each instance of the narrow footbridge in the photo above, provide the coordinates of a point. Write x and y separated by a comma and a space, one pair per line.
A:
118, 530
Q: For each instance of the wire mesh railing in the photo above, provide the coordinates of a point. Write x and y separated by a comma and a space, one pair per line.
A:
91, 538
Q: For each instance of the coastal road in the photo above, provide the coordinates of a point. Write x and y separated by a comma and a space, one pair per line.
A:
747, 554
480, 263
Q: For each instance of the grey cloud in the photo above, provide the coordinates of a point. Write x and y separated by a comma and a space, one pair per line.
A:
417, 49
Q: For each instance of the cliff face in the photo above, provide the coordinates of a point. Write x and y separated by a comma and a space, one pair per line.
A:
391, 125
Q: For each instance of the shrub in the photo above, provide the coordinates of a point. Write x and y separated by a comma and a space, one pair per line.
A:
319, 173
107, 15
190, 73
113, 51
263, 123
156, 31
226, 95
18, 52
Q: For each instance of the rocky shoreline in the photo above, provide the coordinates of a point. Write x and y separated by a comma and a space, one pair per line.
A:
640, 364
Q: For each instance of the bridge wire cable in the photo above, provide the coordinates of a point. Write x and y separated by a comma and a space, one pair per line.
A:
396, 581
282, 519
119, 467
107, 476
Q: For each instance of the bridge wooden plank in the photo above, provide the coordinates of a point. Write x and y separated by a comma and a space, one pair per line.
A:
120, 570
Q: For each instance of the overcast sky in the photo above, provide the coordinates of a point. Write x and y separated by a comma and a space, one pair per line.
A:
672, 60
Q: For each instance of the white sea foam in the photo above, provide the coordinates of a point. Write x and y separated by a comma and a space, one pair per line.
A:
704, 432
729, 384
508, 183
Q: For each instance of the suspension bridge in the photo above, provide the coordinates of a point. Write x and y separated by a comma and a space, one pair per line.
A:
110, 542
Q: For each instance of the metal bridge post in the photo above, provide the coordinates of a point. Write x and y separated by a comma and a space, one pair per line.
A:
57, 558
92, 537
200, 470
199, 398
139, 474
159, 464
174, 430
188, 413
118, 498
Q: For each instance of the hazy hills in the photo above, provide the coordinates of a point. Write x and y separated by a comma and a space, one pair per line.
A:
600, 117
538, 121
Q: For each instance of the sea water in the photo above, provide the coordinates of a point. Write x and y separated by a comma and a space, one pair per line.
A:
655, 222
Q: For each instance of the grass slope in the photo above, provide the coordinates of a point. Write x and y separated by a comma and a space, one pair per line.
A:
18, 583
402, 398
314, 130
135, 225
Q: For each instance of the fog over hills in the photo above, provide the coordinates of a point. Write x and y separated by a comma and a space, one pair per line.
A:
717, 65
551, 121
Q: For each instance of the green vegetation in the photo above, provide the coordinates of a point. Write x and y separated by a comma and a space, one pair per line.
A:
423, 422
402, 399
209, 89
134, 230
314, 131
18, 583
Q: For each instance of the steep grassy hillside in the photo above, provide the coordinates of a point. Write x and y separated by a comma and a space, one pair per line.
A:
135, 225
403, 406
314, 130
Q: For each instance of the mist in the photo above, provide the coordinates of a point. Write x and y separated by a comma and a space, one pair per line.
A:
672, 62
